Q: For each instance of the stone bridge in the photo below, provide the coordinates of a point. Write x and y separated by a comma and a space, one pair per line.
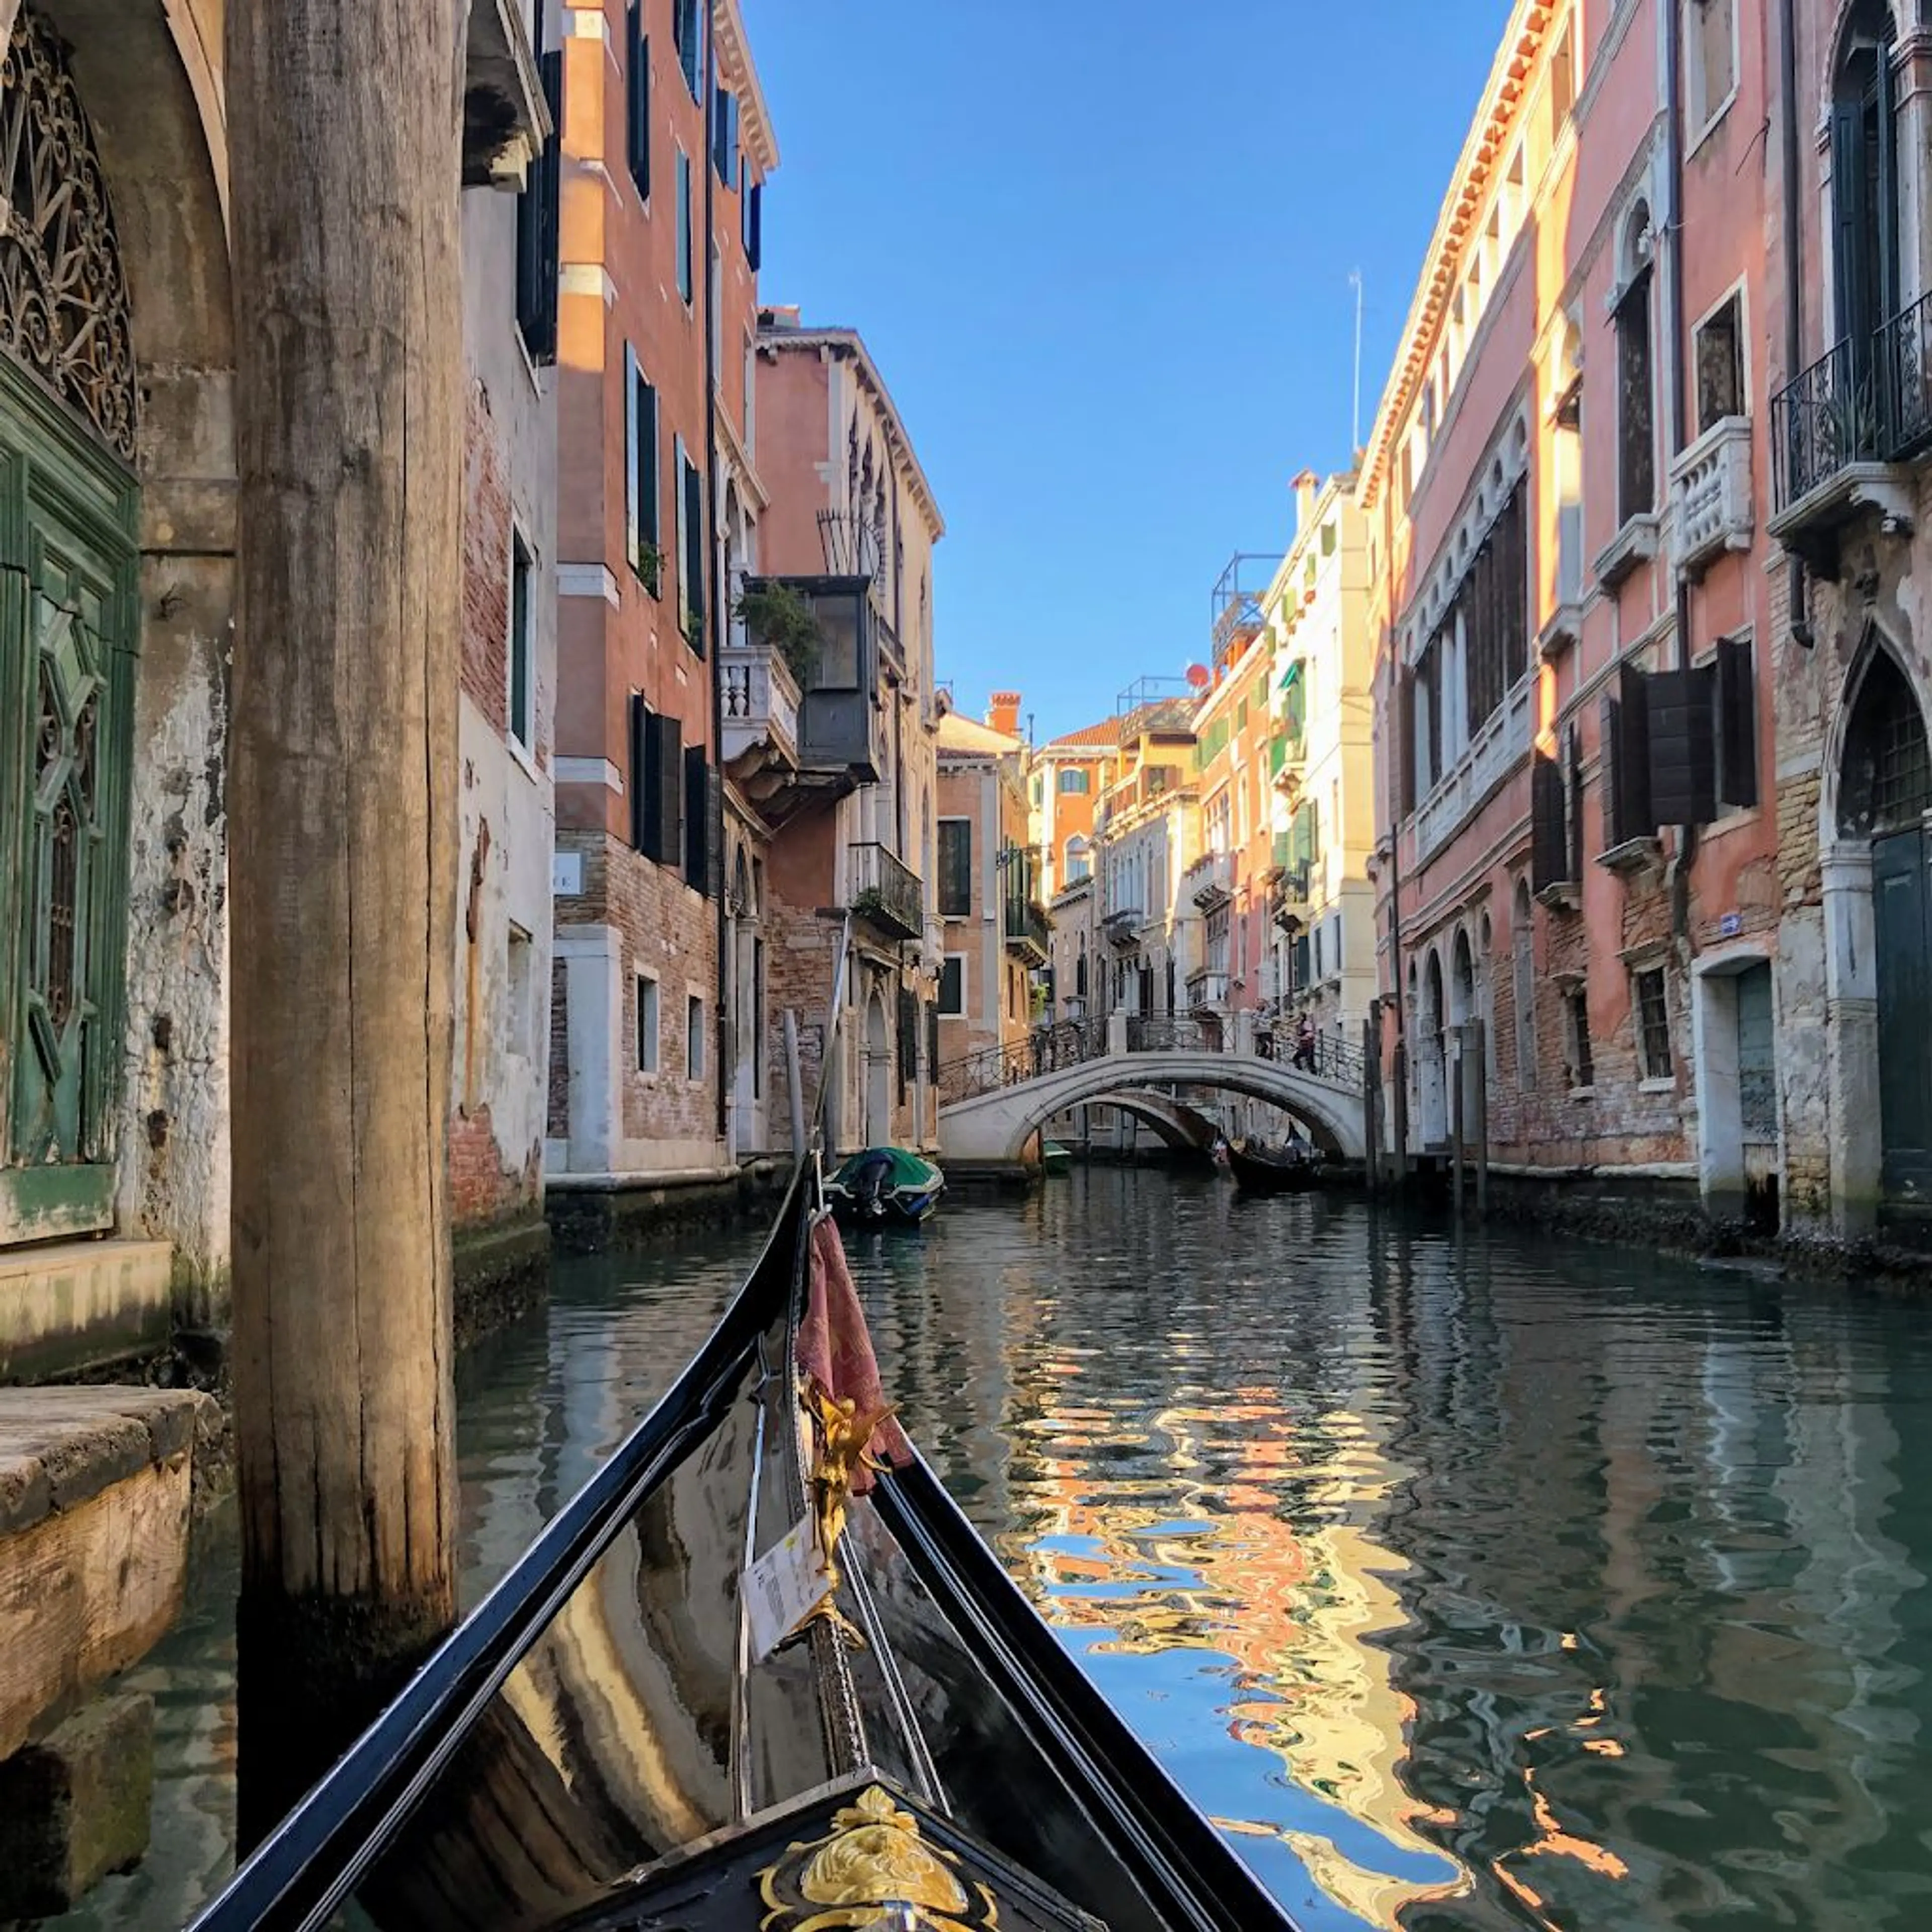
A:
992, 1104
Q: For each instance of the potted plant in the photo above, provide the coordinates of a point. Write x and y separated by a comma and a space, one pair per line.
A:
694, 631
650, 566
779, 617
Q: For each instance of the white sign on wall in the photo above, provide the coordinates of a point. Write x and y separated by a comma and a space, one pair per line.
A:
566, 874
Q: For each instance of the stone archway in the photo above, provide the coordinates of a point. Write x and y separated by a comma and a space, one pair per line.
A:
1877, 871
1431, 1073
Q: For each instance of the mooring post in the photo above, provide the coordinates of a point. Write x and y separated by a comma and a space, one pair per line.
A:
1479, 1079
795, 1080
1371, 1110
1458, 1151
1399, 1084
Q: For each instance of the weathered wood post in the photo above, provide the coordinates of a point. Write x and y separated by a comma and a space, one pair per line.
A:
1479, 1083
344, 162
1452, 1035
1372, 1094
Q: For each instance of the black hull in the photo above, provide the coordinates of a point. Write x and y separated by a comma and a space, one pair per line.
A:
598, 1746
1254, 1174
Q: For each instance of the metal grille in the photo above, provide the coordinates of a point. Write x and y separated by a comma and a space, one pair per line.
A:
1902, 772
1653, 1016
1887, 773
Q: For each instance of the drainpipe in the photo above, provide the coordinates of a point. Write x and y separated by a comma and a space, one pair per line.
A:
717, 616
1796, 599
1679, 871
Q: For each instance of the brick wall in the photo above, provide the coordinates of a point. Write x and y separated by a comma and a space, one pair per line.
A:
557, 1123
481, 1189
801, 955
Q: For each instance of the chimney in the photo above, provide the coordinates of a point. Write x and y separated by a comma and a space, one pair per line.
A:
1003, 712
1306, 488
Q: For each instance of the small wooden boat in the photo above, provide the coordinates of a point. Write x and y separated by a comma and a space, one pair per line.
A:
1054, 1158
759, 1672
1257, 1170
880, 1185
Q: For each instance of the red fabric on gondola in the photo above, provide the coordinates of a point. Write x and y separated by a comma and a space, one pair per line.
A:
834, 1348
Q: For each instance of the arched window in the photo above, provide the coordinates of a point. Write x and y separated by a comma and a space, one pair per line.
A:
1865, 170
1079, 858
1637, 413
1886, 783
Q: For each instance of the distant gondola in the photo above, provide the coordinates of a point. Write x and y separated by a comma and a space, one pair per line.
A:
884, 1185
760, 1672
1256, 1171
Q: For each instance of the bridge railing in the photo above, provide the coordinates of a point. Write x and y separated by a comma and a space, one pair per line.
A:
1330, 1058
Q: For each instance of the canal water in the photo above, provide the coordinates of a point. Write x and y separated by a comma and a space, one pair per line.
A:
1488, 1583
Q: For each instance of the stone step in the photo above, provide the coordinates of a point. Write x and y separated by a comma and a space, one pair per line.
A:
70, 1305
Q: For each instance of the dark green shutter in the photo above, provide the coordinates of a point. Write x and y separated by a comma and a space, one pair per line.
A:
662, 826
694, 552
538, 218
637, 102
697, 820
1683, 748
1736, 722
1548, 848
1631, 782
639, 763
754, 224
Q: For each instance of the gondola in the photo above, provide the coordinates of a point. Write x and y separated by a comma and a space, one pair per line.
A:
759, 1672
1257, 1172
885, 1186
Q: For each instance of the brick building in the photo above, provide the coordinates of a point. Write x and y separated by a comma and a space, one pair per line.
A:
1565, 488
832, 719
666, 145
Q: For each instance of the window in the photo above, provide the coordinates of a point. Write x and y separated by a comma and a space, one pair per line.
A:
686, 32
1576, 1015
684, 260
1720, 371
703, 823
641, 476
1734, 713
1072, 779
694, 1037
955, 868
647, 1024
752, 217
725, 137
1886, 785
656, 784
1865, 189
522, 644
1652, 1014
637, 102
953, 985
1079, 859
1037, 790
1636, 435
1562, 79
537, 226
1710, 58
691, 551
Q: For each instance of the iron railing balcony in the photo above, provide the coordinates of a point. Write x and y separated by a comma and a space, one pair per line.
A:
1028, 930
1123, 928
1210, 881
1822, 422
885, 892
1207, 989
1904, 359
1288, 900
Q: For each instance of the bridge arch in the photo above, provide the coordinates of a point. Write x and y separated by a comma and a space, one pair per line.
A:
995, 1127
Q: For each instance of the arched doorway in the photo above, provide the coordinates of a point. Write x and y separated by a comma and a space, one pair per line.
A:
1432, 1077
878, 1072
1884, 796
69, 638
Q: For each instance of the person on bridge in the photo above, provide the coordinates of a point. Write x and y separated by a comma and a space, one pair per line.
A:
1304, 1044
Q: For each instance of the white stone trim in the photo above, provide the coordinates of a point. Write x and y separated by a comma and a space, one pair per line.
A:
587, 580
589, 771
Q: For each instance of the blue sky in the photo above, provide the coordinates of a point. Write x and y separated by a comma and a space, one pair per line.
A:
1100, 250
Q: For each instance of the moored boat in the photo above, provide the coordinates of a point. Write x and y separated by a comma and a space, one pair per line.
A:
759, 1672
1055, 1158
881, 1185
1257, 1170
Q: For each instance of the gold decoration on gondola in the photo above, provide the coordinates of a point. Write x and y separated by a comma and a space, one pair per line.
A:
874, 1860
843, 1432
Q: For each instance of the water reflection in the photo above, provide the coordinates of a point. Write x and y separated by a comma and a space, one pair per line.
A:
1484, 1585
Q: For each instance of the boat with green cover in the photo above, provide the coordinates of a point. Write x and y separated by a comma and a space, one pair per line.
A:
880, 1186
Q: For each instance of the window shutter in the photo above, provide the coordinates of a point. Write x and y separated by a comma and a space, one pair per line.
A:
908, 1043
684, 271
645, 470
1631, 780
633, 472
693, 560
635, 779
1610, 763
697, 820
724, 136
638, 102
1849, 219
754, 224
1683, 748
1636, 438
537, 225
1572, 820
1885, 217
714, 821
663, 807
1548, 853
1737, 723
1406, 740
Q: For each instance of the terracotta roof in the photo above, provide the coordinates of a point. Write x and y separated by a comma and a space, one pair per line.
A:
1104, 735
957, 732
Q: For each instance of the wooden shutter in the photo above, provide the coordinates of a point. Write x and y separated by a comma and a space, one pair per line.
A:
714, 820
1736, 703
1885, 216
724, 136
1549, 849
1631, 780
956, 869
1849, 220
1573, 798
663, 838
685, 272
537, 215
1609, 764
633, 507
644, 471
932, 1038
1636, 432
693, 560
755, 225
638, 102
696, 820
908, 1041
640, 762
1406, 741
1683, 748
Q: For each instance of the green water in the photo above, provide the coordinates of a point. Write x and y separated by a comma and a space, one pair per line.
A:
1495, 1584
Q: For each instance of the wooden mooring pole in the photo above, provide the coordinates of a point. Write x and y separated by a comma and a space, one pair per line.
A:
1479, 1080
1454, 1037
344, 146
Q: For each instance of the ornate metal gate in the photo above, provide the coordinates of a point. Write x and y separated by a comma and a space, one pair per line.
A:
68, 627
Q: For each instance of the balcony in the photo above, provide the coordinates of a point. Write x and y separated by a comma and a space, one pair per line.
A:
1123, 928
1839, 432
1028, 931
1711, 495
1207, 989
886, 893
1633, 546
1288, 897
1287, 752
761, 698
1210, 881
1501, 744
825, 630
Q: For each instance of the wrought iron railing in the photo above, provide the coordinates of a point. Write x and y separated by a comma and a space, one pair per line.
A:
1331, 1057
886, 891
1027, 926
1904, 359
1045, 1050
1823, 421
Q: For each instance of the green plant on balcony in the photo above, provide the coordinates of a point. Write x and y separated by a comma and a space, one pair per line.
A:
694, 631
779, 617
869, 902
1849, 426
650, 566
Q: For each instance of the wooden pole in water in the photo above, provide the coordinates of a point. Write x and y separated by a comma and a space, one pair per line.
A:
1455, 1038
795, 1078
1479, 1076
1371, 1096
344, 161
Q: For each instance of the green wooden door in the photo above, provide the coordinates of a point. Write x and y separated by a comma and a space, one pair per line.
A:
68, 627
1902, 907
